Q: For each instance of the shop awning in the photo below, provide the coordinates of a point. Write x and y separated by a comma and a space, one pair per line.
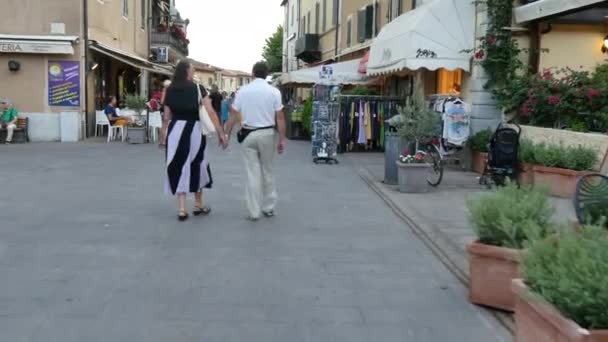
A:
337, 73
438, 34
37, 44
546, 8
129, 59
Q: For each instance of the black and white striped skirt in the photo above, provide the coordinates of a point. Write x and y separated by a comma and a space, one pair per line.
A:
187, 168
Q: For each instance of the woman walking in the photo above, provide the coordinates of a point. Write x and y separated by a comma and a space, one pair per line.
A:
187, 168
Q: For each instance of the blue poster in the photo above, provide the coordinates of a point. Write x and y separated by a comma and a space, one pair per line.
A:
64, 83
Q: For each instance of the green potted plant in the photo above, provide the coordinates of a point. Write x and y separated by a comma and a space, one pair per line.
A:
136, 103
480, 144
557, 167
414, 123
563, 295
503, 220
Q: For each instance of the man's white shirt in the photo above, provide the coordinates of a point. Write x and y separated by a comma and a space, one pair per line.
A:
258, 103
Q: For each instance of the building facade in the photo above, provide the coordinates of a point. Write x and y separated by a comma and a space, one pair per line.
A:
73, 54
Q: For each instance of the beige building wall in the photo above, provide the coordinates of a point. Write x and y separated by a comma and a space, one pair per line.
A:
28, 87
207, 78
348, 15
108, 26
326, 24
573, 46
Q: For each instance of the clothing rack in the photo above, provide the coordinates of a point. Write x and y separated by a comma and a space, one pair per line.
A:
361, 121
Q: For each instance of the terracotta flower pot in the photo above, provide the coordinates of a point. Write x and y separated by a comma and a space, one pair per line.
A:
479, 161
526, 177
491, 271
561, 182
536, 320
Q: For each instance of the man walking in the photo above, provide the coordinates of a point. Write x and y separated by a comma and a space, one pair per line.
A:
261, 110
8, 120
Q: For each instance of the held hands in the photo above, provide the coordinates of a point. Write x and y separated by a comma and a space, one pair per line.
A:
223, 140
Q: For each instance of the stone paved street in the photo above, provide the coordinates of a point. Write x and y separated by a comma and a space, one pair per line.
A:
90, 250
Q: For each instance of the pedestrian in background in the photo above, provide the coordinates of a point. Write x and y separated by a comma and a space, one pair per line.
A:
8, 120
216, 99
187, 168
261, 110
225, 108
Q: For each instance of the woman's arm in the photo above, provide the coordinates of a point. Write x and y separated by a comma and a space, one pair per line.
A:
163, 131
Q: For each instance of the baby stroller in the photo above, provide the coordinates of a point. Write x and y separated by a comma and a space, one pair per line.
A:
502, 160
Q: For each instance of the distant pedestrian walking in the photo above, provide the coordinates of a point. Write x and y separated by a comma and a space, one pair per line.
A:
187, 168
262, 115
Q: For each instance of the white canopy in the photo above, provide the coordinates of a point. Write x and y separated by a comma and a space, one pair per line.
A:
434, 35
545, 8
337, 73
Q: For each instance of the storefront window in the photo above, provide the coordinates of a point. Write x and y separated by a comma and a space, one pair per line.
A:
449, 82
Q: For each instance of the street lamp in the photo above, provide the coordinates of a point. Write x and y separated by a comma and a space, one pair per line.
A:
605, 45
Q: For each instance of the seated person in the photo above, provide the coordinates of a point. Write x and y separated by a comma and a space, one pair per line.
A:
112, 114
8, 120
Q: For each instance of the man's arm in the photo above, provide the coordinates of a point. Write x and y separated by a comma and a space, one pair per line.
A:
15, 116
280, 121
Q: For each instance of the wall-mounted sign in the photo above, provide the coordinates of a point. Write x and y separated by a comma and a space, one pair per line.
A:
64, 83
17, 46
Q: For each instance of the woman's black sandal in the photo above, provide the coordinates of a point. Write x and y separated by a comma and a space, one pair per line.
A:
197, 211
182, 216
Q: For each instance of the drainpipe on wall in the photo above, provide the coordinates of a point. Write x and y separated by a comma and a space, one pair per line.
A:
337, 15
85, 33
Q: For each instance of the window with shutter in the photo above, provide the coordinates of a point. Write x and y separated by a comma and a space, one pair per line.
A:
317, 17
336, 13
369, 22
324, 15
349, 31
361, 15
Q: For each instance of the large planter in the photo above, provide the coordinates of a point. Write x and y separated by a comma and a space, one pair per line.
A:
536, 321
491, 271
560, 182
479, 161
526, 176
136, 135
413, 177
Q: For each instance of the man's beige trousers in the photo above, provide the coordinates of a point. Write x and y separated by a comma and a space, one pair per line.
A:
261, 194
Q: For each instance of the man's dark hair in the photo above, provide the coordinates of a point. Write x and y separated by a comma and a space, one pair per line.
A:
260, 70
111, 98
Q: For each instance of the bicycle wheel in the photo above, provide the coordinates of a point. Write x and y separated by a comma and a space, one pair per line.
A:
433, 157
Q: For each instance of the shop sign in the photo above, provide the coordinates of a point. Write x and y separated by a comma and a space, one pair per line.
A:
35, 47
64, 83
327, 71
425, 53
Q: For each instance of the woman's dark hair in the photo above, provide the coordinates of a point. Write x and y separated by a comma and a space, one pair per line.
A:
180, 76
111, 98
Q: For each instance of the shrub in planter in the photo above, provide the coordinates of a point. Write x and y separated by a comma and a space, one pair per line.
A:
479, 144
567, 280
504, 220
135, 102
557, 166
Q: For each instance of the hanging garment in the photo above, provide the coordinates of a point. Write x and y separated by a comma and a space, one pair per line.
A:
362, 139
381, 121
456, 117
368, 122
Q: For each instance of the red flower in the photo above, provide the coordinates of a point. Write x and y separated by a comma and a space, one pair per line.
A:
547, 75
526, 109
591, 93
530, 92
491, 39
480, 54
553, 100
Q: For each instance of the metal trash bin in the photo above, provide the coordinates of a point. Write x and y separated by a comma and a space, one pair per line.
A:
393, 147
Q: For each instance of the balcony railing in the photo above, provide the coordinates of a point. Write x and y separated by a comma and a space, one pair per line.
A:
167, 39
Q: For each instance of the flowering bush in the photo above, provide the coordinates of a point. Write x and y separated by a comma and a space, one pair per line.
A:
407, 158
562, 98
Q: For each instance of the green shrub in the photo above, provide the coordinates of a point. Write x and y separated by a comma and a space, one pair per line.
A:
578, 158
480, 141
307, 116
572, 274
510, 216
135, 102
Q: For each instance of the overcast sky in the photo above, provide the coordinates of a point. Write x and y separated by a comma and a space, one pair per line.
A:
230, 33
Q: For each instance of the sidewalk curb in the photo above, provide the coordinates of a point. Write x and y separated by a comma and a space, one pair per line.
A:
435, 242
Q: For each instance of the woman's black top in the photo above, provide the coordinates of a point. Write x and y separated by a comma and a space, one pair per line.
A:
183, 101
